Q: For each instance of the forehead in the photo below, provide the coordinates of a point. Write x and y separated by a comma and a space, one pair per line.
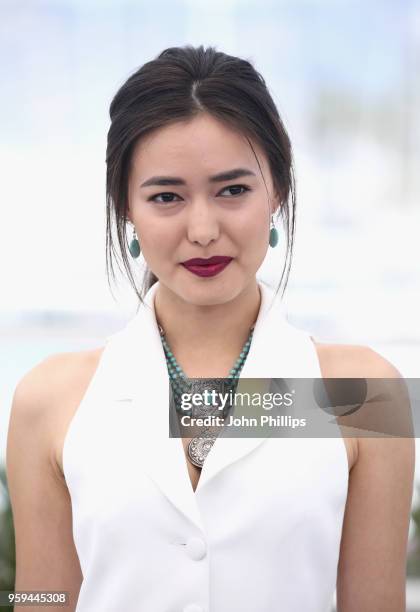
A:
202, 142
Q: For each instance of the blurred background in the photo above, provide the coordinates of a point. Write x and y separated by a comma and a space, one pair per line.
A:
346, 78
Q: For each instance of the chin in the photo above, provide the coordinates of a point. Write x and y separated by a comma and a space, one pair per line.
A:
211, 294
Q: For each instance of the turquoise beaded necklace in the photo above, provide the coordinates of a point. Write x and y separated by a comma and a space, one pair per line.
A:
200, 446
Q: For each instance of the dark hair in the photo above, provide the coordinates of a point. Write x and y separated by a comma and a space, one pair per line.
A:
179, 84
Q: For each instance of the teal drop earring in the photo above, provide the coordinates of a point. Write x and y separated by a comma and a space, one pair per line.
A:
274, 235
134, 246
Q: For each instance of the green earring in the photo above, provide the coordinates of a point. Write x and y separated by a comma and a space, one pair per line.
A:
134, 246
274, 235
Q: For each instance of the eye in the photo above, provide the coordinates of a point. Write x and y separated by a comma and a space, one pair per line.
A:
237, 187
165, 193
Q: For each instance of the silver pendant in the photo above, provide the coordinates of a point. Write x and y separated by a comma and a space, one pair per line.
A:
199, 448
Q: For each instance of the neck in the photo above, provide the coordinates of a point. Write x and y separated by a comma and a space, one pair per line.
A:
209, 333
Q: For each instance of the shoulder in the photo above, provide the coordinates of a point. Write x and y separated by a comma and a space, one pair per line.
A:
360, 361
46, 393
353, 360
38, 387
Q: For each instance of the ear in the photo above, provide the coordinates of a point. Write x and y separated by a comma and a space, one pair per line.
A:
276, 202
128, 216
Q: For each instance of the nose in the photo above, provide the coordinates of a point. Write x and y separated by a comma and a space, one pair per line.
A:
202, 223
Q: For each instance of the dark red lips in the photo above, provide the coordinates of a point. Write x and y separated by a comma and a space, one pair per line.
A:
207, 267
197, 261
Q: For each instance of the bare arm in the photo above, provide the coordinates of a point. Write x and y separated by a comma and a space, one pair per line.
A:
372, 566
46, 558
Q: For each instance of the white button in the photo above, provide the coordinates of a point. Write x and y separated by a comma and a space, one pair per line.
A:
193, 608
196, 549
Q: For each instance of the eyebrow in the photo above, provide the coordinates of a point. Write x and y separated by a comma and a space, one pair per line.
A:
228, 175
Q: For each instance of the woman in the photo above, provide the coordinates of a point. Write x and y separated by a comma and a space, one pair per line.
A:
199, 166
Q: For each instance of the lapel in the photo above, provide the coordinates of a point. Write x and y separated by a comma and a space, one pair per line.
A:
144, 380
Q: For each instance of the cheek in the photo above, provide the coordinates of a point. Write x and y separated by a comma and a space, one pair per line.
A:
253, 225
253, 234
157, 237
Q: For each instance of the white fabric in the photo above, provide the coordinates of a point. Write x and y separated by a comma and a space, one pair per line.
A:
262, 531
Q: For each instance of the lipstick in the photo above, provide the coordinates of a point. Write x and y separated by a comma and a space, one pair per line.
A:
207, 267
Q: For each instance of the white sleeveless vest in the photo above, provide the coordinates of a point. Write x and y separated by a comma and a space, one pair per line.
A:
262, 531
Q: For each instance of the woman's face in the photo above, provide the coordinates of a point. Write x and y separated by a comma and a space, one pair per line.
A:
182, 213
